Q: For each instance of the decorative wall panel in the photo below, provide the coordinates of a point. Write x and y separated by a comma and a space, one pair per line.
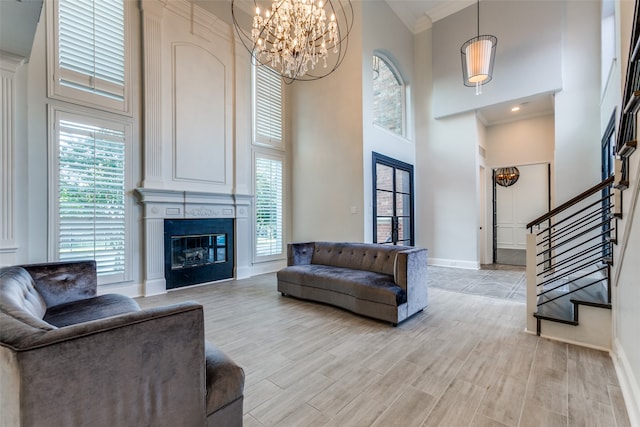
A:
200, 115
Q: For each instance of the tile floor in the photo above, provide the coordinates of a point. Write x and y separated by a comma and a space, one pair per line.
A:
492, 280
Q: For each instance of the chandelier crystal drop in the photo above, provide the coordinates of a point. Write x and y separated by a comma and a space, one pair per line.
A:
299, 39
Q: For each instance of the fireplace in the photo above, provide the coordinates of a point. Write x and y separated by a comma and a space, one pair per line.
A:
198, 251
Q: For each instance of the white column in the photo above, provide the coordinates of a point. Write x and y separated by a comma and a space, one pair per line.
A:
152, 71
9, 64
244, 236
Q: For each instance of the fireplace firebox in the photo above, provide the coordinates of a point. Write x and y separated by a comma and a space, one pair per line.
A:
197, 251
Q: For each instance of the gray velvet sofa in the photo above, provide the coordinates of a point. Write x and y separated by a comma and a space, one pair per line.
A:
381, 281
69, 357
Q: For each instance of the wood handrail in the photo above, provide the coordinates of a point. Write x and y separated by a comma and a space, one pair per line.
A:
580, 197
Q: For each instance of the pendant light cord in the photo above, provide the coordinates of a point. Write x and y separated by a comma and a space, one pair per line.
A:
478, 14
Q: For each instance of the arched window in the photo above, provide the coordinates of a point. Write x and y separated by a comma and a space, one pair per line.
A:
388, 96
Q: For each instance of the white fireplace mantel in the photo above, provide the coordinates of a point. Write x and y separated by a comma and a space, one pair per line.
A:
161, 204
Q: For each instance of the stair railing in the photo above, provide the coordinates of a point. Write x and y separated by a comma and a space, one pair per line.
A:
572, 245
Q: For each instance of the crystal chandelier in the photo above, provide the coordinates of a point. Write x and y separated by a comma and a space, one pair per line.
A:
299, 39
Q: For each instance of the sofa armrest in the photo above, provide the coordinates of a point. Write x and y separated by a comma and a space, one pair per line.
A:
300, 253
410, 274
62, 282
141, 368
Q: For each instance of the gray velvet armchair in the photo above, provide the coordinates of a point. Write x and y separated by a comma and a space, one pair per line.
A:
71, 358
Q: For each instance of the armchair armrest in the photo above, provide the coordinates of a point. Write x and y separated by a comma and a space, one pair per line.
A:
61, 282
300, 253
411, 274
140, 368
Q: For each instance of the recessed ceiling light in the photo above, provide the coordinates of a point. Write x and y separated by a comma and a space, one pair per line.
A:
514, 109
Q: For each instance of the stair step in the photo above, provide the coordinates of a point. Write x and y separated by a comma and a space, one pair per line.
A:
560, 310
564, 309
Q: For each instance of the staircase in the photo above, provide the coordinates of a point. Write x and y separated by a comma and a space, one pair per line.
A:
569, 258
570, 249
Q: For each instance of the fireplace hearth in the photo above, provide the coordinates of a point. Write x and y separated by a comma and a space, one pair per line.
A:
198, 251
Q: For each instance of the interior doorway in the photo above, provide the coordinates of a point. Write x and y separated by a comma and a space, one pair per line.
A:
514, 206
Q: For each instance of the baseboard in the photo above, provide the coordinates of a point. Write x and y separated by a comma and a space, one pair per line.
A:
628, 383
155, 287
562, 340
455, 263
267, 267
577, 343
131, 289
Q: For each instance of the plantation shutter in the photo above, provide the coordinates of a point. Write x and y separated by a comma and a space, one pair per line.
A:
91, 46
268, 106
269, 240
91, 191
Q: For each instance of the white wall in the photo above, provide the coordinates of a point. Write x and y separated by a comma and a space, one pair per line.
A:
326, 151
447, 203
626, 292
626, 295
529, 141
521, 142
423, 72
576, 136
577, 105
397, 43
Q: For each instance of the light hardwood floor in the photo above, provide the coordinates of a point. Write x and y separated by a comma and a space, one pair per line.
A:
464, 361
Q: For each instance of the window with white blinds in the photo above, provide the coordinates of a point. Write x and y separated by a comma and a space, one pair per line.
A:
90, 51
91, 193
268, 107
269, 211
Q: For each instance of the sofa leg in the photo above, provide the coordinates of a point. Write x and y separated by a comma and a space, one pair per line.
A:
283, 294
395, 325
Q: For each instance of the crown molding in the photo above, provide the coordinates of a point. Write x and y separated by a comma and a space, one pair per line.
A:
448, 8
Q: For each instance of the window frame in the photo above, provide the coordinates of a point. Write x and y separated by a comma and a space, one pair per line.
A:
55, 114
404, 89
275, 156
56, 90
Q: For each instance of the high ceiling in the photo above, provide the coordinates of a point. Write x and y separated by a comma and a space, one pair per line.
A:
418, 15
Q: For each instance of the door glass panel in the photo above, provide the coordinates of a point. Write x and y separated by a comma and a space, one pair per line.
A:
403, 204
384, 203
384, 175
403, 183
383, 230
404, 228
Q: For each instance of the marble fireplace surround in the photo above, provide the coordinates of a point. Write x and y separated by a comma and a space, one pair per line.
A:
161, 204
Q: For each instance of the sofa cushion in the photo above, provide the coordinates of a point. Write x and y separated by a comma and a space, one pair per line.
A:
225, 379
85, 310
359, 256
364, 285
64, 281
20, 299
